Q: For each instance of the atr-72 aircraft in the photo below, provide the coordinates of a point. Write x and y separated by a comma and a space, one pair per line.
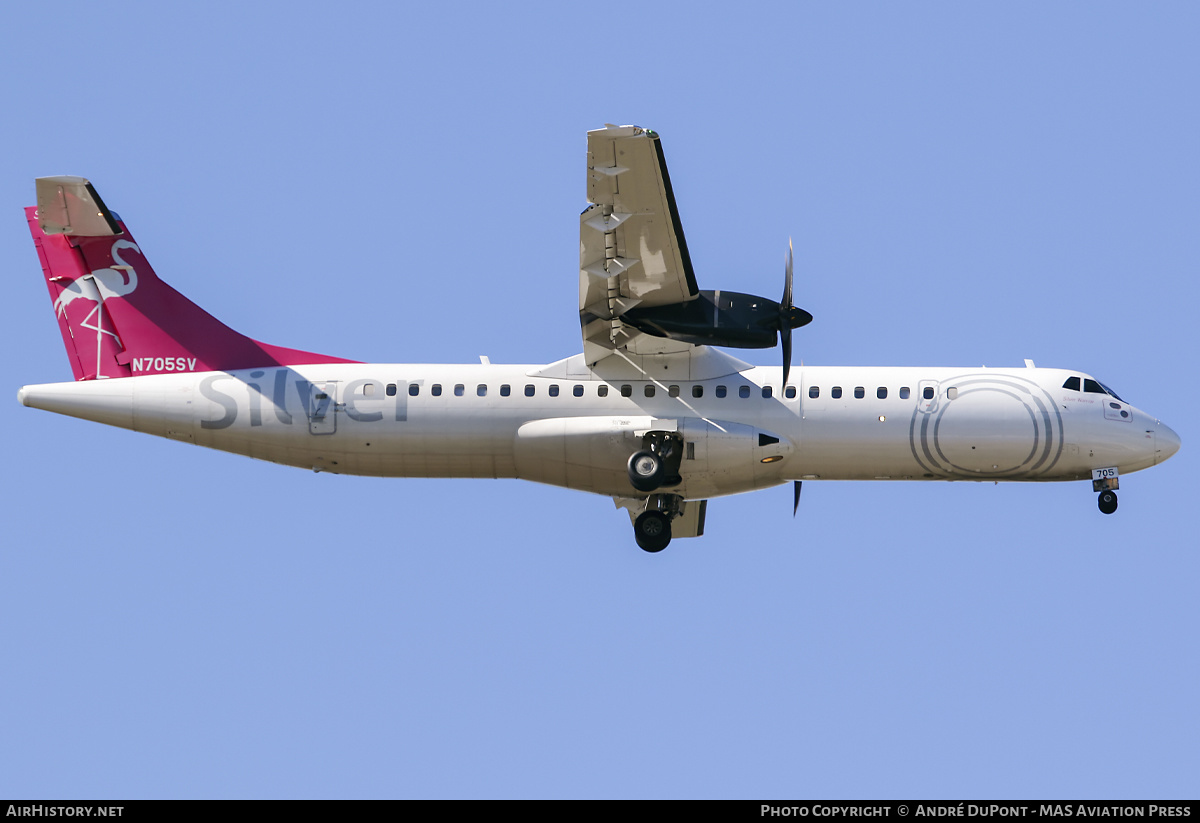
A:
649, 414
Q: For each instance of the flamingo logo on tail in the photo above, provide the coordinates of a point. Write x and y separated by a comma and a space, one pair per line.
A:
117, 280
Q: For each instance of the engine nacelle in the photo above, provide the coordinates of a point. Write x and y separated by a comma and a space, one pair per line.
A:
718, 318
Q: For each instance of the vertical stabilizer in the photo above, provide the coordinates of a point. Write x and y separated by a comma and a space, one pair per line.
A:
116, 317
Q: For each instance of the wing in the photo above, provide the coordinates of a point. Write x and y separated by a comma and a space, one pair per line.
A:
631, 246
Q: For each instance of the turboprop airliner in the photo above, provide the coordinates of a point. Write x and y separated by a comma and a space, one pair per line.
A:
651, 413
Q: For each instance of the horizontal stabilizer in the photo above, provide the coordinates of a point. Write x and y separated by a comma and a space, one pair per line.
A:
69, 205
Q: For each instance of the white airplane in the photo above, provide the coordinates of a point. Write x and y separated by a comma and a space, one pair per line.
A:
649, 414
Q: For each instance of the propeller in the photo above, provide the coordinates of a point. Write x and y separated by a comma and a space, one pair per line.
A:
790, 317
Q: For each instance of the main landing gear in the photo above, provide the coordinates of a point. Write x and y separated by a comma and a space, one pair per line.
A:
656, 465
652, 528
645, 471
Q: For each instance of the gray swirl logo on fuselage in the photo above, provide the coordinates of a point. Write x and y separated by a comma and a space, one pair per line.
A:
997, 426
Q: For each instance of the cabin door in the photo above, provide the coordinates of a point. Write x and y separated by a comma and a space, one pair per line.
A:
322, 407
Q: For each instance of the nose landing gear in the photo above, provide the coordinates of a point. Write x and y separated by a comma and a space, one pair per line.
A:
1106, 481
1108, 502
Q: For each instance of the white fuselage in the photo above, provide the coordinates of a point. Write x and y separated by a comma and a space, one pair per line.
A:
567, 425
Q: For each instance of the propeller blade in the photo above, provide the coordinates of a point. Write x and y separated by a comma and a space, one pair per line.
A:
796, 497
785, 317
786, 302
785, 338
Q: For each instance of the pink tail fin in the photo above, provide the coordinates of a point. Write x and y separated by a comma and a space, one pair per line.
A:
116, 317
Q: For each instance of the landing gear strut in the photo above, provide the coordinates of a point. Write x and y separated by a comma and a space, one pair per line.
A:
652, 528
1107, 502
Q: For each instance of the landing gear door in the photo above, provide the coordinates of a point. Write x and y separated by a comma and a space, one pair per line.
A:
927, 395
322, 407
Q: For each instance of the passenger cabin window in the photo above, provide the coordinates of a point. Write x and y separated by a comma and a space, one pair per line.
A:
928, 393
529, 390
672, 391
721, 391
951, 393
881, 392
458, 390
391, 390
697, 391
481, 390
836, 392
791, 392
743, 391
368, 389
577, 390
602, 390
649, 390
859, 392
768, 391
813, 391
413, 389
626, 390
436, 391
1072, 384
904, 392
554, 390
505, 390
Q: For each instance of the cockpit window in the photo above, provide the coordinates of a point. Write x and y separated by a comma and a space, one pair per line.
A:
1090, 385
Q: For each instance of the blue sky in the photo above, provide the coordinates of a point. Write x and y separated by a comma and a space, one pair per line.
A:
966, 184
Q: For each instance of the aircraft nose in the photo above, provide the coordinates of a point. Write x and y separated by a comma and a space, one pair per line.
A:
1166, 442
